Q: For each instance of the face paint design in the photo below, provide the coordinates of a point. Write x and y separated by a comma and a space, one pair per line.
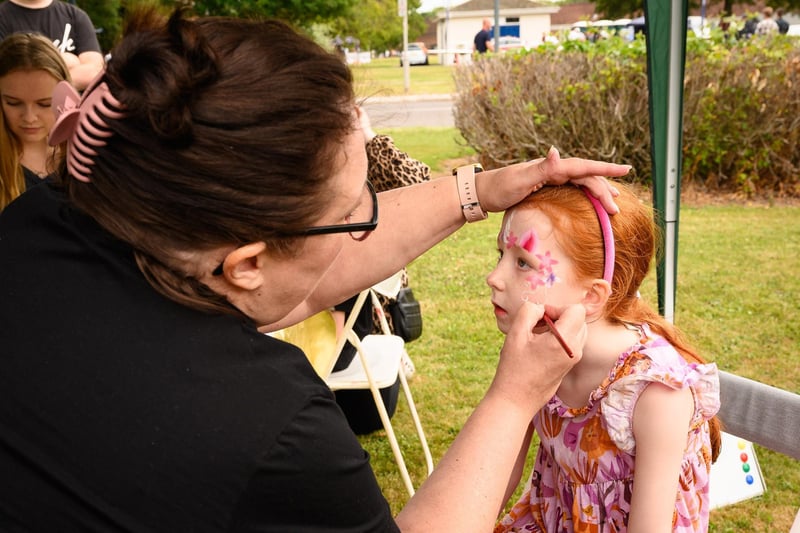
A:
544, 275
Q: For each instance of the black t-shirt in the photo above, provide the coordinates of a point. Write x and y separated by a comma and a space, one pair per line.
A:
32, 179
68, 26
121, 410
481, 38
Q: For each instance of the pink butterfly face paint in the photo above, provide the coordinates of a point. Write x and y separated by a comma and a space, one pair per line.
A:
543, 273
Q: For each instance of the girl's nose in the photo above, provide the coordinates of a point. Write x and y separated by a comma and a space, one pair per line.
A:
29, 114
493, 280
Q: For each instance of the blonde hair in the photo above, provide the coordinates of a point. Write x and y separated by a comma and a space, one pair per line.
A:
22, 51
636, 239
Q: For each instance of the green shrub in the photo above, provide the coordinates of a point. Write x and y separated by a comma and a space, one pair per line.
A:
741, 109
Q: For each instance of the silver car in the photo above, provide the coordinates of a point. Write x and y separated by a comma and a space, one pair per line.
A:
417, 54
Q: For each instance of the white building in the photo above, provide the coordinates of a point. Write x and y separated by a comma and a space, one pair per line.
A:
456, 26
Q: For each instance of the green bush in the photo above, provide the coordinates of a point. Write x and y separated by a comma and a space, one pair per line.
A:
741, 121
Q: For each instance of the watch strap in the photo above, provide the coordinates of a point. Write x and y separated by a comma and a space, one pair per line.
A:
468, 194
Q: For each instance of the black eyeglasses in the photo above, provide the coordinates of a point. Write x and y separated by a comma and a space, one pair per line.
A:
366, 216
366, 221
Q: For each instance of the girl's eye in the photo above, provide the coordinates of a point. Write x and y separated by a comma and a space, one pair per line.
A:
521, 263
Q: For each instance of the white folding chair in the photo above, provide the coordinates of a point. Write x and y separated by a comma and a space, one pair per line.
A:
378, 365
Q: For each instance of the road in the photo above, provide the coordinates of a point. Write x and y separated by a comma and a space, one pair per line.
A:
410, 112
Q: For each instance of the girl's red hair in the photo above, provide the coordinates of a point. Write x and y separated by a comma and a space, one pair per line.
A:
636, 238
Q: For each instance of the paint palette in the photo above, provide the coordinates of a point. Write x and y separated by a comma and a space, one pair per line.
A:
735, 476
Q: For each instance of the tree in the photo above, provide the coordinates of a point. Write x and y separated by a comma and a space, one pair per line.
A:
298, 12
105, 16
620, 8
377, 25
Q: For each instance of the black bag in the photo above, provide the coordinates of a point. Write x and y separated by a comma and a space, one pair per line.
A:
359, 407
406, 315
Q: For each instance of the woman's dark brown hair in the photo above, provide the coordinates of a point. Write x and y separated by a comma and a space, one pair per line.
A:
232, 130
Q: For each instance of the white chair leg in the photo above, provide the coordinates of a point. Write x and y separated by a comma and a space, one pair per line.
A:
415, 416
387, 425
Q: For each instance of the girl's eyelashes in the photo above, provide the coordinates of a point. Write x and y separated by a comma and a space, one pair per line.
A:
521, 262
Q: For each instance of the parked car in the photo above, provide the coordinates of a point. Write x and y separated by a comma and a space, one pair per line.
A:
417, 54
510, 43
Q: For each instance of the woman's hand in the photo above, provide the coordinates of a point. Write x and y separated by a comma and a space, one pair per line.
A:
501, 188
532, 365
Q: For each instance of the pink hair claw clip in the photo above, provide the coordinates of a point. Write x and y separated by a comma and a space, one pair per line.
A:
81, 122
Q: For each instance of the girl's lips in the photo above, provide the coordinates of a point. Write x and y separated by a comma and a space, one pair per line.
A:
499, 311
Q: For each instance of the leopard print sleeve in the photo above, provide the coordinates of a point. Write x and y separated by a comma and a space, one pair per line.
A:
390, 168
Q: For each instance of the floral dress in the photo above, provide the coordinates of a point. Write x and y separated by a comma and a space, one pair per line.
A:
582, 480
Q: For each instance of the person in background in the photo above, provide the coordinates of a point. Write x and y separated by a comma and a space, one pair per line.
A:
483, 39
783, 26
767, 25
627, 441
217, 182
30, 68
749, 23
388, 168
68, 26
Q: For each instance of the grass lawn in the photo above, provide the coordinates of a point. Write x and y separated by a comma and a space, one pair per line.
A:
737, 299
384, 77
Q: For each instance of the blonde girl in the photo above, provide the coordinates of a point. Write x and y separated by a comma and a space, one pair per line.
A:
30, 68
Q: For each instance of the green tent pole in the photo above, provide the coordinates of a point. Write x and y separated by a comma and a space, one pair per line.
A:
665, 27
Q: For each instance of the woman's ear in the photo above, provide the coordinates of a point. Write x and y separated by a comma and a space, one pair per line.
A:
243, 266
596, 297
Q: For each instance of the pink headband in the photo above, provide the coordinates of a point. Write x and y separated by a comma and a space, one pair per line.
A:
81, 122
608, 236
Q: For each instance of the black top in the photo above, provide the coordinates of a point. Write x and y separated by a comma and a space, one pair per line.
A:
32, 179
121, 410
481, 38
68, 26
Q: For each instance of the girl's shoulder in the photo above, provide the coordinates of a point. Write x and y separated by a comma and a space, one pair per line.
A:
654, 360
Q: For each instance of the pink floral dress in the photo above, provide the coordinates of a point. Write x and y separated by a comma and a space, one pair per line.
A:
583, 475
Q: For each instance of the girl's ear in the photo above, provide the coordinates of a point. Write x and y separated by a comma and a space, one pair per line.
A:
596, 297
243, 266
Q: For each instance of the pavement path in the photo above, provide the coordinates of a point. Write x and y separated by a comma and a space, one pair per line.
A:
434, 110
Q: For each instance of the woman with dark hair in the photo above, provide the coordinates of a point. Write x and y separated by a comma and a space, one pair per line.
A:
215, 184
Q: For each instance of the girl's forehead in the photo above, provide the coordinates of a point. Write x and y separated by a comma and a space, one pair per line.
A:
520, 220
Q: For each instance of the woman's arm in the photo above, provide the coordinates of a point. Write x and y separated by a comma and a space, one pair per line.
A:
413, 219
389, 167
519, 466
661, 421
475, 472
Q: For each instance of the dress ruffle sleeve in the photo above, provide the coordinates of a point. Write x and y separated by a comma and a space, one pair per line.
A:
665, 368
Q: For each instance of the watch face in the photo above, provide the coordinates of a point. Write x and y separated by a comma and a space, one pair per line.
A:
476, 166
